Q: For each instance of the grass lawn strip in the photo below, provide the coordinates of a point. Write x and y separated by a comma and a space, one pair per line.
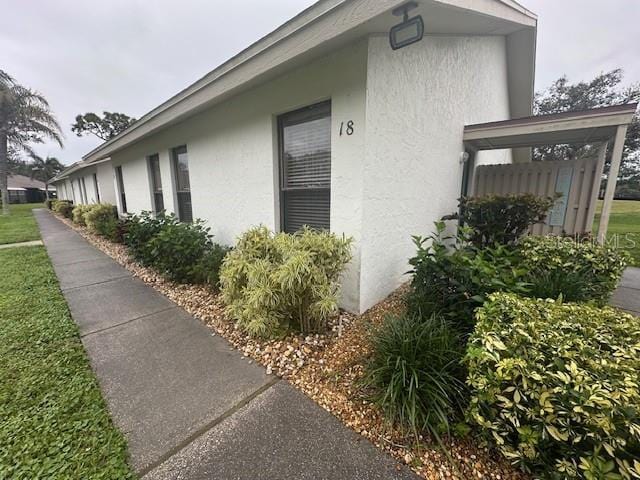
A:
326, 368
624, 226
55, 423
20, 225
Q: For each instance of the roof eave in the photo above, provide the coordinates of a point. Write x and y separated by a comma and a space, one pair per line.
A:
311, 28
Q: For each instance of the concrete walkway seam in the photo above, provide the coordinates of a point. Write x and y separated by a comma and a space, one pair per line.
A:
141, 317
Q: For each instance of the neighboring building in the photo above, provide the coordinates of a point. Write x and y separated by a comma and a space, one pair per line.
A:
322, 123
23, 189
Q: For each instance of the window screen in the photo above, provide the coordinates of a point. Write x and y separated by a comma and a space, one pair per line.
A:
183, 187
123, 197
305, 167
156, 183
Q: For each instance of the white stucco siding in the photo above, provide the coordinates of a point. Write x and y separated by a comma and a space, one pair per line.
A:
73, 185
62, 192
418, 100
233, 154
90, 187
135, 178
106, 183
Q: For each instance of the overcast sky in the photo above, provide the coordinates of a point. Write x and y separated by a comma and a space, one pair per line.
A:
130, 55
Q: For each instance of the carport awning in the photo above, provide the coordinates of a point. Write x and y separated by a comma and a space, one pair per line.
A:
588, 126
596, 126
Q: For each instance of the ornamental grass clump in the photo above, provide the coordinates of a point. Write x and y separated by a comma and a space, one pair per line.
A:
79, 212
578, 270
415, 374
555, 387
274, 282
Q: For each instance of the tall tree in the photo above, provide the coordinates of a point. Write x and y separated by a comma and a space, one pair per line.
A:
105, 127
604, 90
25, 118
45, 169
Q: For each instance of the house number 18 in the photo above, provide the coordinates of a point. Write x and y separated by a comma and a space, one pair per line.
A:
346, 127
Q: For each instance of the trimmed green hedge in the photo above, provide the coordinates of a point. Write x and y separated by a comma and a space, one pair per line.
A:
102, 218
182, 252
555, 386
63, 207
579, 271
501, 219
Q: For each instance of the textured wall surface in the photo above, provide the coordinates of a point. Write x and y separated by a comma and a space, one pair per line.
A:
106, 182
418, 100
233, 156
68, 189
389, 180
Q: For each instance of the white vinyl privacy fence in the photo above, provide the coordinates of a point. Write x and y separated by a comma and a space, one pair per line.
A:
575, 182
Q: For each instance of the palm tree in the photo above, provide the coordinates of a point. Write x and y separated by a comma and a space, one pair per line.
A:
25, 118
45, 170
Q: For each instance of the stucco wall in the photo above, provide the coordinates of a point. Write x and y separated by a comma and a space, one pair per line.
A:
389, 181
233, 154
69, 189
106, 183
418, 100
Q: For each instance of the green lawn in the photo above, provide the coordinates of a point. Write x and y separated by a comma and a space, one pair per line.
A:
53, 421
624, 226
20, 225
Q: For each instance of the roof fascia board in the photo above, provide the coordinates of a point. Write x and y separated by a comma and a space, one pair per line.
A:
272, 50
552, 125
504, 9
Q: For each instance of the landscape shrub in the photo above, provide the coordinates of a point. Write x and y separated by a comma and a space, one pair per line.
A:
453, 278
141, 229
49, 203
79, 212
119, 231
577, 270
207, 270
501, 219
63, 208
416, 374
555, 386
183, 252
272, 282
102, 219
178, 248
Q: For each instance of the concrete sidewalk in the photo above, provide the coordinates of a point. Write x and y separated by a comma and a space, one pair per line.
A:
627, 295
190, 406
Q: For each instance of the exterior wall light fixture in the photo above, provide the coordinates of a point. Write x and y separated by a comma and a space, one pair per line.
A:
410, 30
